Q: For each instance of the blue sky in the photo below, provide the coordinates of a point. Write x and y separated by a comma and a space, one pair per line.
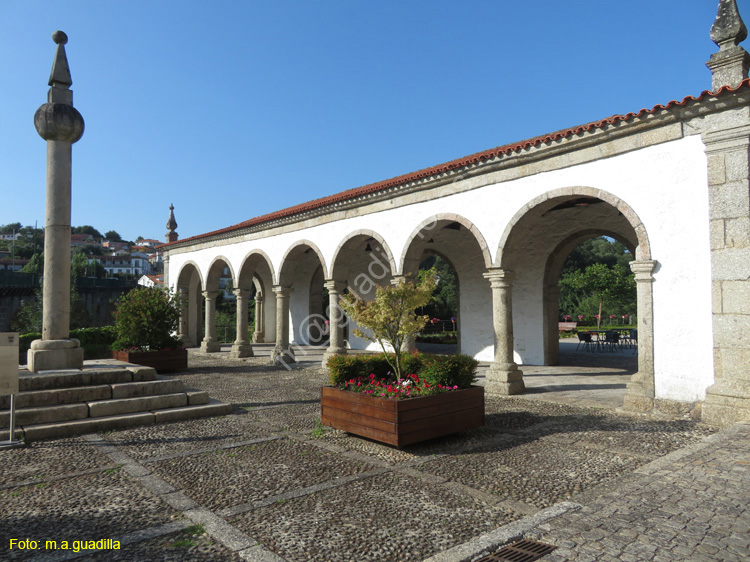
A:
233, 109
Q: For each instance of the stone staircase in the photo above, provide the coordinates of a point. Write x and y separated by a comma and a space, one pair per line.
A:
102, 396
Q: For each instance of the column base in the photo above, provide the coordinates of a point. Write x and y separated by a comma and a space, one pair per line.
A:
54, 355
210, 346
258, 337
504, 379
639, 396
727, 402
330, 352
185, 339
241, 349
281, 356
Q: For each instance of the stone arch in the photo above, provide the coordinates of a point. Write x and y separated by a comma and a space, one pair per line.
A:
438, 221
256, 271
459, 241
252, 262
339, 265
292, 255
214, 272
190, 286
643, 249
301, 265
534, 246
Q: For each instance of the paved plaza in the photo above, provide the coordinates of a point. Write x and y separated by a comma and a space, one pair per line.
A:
269, 483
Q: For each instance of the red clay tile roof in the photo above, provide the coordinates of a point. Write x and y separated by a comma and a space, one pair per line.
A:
459, 163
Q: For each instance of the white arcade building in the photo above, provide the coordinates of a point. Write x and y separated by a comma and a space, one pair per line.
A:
671, 183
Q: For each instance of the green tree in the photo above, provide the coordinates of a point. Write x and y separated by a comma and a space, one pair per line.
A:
444, 303
35, 265
599, 288
86, 229
390, 317
112, 236
146, 318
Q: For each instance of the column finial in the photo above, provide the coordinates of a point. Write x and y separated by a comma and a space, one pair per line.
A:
728, 29
731, 63
172, 236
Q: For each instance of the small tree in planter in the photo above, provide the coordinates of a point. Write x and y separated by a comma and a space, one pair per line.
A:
146, 320
390, 316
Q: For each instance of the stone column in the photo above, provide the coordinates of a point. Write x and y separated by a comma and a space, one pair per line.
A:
182, 294
410, 344
210, 344
60, 124
503, 376
551, 327
259, 334
335, 320
640, 394
241, 346
728, 148
282, 352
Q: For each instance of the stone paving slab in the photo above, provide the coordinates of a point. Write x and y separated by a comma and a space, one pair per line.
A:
95, 506
388, 517
45, 459
536, 473
226, 477
147, 443
692, 507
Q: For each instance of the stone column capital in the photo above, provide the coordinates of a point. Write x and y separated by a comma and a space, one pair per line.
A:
334, 286
241, 293
396, 279
210, 295
282, 292
258, 296
499, 278
643, 270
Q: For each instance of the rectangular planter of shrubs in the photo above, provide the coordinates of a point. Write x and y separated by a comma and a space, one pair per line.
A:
163, 361
403, 421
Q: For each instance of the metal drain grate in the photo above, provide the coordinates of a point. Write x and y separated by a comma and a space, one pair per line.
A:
522, 551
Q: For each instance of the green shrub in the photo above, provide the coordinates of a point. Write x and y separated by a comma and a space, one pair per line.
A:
96, 342
448, 370
146, 319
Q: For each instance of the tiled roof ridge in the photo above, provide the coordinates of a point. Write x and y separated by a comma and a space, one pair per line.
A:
459, 163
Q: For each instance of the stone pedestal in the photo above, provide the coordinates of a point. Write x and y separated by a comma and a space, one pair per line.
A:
503, 377
54, 355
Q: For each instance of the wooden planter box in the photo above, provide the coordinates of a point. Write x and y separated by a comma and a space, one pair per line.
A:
402, 422
163, 361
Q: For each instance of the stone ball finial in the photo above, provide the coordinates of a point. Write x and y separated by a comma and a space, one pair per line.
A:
59, 122
60, 37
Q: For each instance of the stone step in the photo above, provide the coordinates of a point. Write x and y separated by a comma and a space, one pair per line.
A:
46, 414
88, 376
76, 394
164, 385
105, 408
92, 425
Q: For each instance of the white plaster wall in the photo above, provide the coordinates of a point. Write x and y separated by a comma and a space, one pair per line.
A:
665, 184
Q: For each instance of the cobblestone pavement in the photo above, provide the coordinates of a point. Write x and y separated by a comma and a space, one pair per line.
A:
269, 483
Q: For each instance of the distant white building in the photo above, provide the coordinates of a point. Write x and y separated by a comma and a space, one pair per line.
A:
151, 281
